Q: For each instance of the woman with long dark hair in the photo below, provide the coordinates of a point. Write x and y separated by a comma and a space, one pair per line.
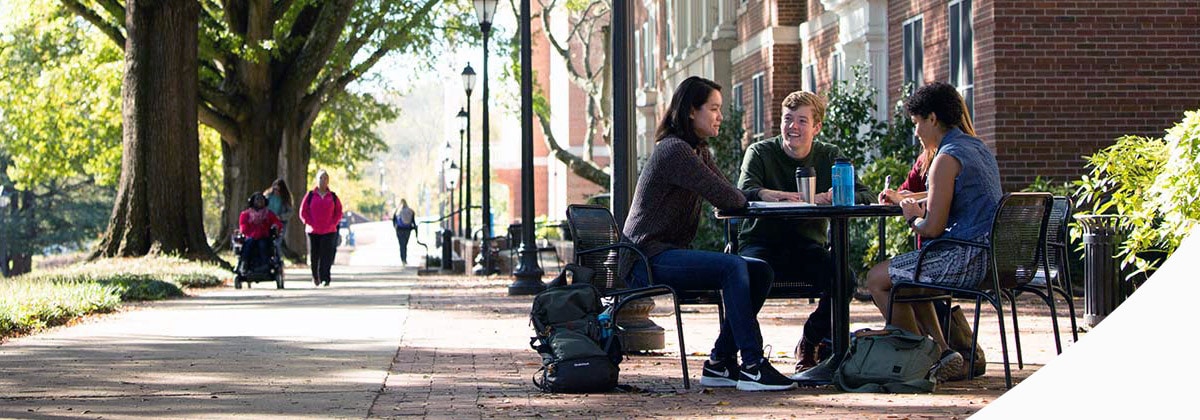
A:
963, 182
663, 221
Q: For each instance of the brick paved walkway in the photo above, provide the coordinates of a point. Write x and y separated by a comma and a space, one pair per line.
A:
464, 354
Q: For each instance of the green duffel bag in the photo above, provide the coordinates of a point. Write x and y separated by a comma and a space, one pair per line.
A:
890, 360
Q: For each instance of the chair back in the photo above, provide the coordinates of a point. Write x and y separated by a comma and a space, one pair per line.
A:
1018, 238
594, 227
1056, 231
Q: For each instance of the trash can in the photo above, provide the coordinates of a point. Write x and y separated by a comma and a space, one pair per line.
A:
447, 250
1101, 284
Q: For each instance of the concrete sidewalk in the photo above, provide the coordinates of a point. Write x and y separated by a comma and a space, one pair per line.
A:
256, 353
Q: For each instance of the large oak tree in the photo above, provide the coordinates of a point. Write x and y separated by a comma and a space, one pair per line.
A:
267, 68
158, 207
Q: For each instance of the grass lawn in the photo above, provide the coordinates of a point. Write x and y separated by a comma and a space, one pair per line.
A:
56, 296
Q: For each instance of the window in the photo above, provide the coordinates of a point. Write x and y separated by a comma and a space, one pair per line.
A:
649, 76
738, 95
759, 112
835, 67
914, 52
962, 51
810, 78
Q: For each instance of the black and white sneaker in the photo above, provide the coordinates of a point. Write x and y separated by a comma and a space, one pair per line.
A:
722, 374
761, 376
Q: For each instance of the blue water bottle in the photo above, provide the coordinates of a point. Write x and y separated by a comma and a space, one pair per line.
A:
843, 182
605, 320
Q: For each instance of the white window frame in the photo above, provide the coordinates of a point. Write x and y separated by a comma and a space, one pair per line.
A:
962, 50
739, 92
810, 77
836, 67
759, 120
913, 51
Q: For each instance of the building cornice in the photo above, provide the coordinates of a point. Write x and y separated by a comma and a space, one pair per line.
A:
766, 38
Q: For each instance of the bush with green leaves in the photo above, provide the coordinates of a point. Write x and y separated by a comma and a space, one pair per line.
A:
878, 149
53, 297
1152, 184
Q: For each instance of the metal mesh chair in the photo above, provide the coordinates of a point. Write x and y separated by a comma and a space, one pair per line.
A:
1057, 278
598, 243
1015, 253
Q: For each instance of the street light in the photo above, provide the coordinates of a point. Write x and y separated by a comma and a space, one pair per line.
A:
485, 10
463, 156
468, 79
528, 275
3, 239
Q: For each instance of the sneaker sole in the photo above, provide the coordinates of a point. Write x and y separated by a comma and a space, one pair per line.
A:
755, 386
713, 382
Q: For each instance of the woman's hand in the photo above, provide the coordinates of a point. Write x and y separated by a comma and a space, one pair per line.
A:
890, 196
912, 207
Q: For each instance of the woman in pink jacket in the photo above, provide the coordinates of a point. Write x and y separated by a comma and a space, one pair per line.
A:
321, 211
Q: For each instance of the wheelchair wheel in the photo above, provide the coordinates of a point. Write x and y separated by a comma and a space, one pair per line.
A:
237, 281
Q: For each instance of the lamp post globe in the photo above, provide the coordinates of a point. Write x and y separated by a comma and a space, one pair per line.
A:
485, 10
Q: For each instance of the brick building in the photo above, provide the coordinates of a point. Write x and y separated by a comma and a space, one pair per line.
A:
1049, 81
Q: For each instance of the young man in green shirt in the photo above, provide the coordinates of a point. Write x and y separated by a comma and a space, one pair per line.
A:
796, 249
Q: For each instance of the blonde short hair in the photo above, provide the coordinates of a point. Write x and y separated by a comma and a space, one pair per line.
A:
800, 98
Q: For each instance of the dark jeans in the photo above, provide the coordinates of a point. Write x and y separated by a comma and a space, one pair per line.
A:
402, 236
743, 282
321, 250
804, 261
254, 253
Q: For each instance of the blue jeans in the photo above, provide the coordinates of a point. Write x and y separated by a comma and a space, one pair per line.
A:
743, 282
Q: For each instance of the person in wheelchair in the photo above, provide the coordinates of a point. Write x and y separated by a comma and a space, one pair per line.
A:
258, 226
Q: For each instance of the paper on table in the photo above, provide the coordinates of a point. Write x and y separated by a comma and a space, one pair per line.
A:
778, 204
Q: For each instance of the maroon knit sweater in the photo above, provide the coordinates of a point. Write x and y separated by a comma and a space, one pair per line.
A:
666, 205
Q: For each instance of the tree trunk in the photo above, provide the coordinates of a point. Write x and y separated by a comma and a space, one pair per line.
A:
158, 208
294, 157
261, 155
250, 166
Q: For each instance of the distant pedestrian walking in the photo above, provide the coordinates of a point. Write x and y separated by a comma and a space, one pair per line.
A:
321, 210
404, 220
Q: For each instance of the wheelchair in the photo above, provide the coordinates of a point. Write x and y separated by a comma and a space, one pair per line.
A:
269, 267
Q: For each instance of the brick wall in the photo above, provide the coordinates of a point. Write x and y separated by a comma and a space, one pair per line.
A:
1058, 80
821, 48
757, 16
1070, 77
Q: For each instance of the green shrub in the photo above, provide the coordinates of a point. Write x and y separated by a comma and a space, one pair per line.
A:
53, 297
1152, 184
864, 233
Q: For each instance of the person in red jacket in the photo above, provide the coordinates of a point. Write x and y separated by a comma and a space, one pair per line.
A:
255, 223
321, 211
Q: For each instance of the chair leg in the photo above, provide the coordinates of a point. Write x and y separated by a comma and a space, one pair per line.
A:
974, 340
687, 382
1065, 287
1012, 299
1003, 340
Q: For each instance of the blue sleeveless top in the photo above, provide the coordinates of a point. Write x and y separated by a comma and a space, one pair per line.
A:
976, 189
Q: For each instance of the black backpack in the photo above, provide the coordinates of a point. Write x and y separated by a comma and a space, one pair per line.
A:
580, 353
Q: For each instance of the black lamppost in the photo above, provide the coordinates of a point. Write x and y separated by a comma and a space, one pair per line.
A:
485, 10
3, 238
463, 156
468, 78
528, 274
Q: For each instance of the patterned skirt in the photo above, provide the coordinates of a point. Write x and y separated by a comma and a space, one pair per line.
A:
947, 265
